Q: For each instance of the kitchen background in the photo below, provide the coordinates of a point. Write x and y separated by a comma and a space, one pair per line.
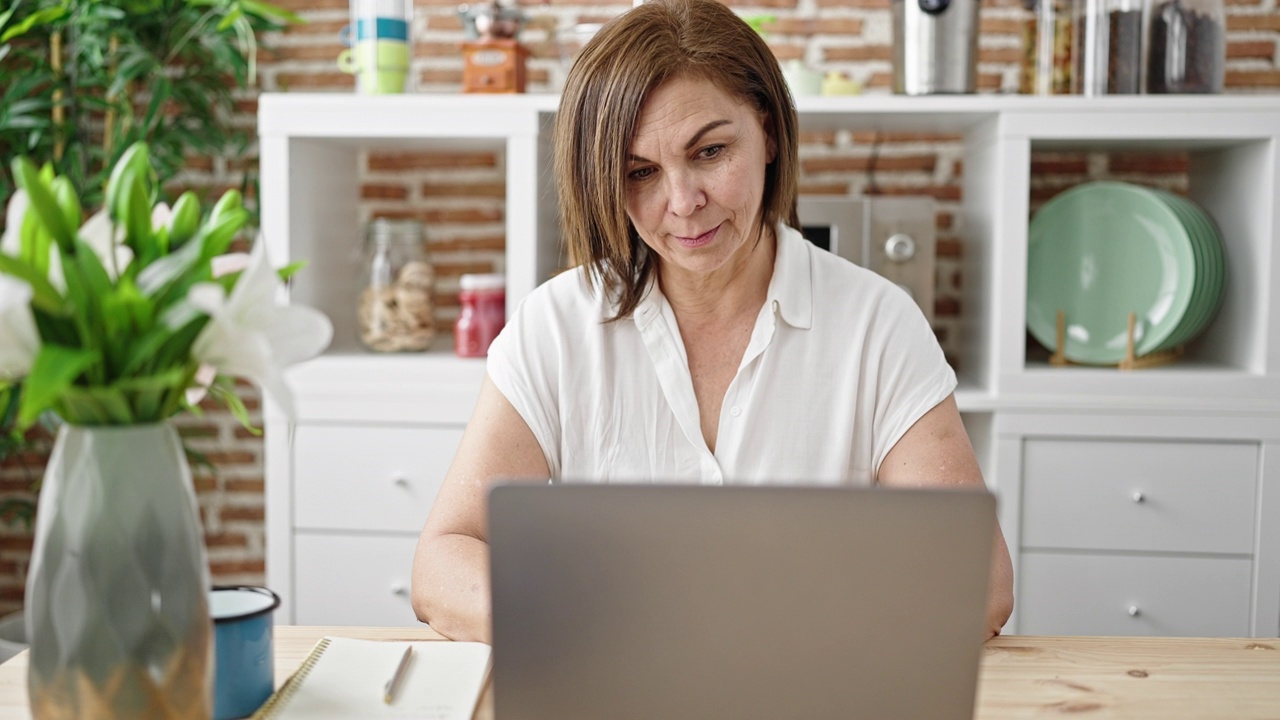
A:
460, 196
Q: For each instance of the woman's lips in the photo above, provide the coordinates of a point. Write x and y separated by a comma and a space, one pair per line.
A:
699, 241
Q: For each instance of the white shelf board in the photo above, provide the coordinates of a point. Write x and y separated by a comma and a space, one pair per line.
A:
420, 115
340, 115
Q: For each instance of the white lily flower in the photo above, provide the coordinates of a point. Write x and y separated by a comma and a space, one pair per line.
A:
96, 233
107, 245
160, 216
252, 335
11, 242
230, 263
205, 375
19, 340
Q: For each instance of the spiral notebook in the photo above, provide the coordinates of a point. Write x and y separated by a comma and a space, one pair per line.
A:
344, 679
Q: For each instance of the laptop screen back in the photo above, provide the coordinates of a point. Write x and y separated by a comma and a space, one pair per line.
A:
669, 602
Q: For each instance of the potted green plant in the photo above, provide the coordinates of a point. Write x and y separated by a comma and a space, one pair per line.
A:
87, 78
116, 324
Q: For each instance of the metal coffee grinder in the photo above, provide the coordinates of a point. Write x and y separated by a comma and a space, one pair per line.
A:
935, 46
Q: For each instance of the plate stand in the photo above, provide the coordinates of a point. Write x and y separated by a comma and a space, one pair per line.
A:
1130, 361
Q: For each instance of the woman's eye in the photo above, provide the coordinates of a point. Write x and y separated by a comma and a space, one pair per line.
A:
640, 173
710, 151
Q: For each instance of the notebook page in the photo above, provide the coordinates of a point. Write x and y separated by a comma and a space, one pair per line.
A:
442, 682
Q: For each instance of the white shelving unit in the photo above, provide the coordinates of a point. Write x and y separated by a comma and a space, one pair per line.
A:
340, 536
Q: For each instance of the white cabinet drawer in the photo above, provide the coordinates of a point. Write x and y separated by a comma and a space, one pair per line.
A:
1082, 594
1139, 496
353, 579
369, 478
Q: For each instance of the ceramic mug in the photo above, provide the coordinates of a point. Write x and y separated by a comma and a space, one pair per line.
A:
384, 28
381, 66
244, 675
802, 79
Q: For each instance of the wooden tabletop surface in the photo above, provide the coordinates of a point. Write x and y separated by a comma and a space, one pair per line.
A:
1021, 677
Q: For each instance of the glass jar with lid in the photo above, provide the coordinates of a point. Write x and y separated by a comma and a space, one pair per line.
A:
1108, 46
395, 306
1186, 46
1047, 39
484, 311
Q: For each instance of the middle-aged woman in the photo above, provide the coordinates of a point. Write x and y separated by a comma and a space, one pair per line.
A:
701, 339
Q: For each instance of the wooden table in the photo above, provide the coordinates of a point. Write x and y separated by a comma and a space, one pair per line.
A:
1022, 676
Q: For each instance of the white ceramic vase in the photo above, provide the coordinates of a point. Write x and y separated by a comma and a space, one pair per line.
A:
116, 600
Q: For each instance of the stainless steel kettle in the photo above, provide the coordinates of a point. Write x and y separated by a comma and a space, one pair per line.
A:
935, 46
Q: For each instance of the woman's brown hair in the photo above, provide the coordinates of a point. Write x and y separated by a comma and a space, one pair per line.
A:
606, 88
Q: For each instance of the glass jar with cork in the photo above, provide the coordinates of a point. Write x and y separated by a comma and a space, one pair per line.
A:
395, 306
1108, 47
1186, 46
1047, 39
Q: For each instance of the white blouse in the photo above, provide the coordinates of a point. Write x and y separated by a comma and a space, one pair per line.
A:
840, 365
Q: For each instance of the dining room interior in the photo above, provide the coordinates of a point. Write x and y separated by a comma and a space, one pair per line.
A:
1090, 226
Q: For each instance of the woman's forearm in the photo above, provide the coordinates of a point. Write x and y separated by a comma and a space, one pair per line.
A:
451, 587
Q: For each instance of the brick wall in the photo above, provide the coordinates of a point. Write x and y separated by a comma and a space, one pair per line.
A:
463, 207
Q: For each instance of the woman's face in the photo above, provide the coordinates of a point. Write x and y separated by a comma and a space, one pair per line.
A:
695, 175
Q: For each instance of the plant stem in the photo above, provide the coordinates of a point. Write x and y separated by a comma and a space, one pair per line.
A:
195, 27
108, 132
59, 112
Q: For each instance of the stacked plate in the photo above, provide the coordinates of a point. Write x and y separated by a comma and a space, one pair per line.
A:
1103, 250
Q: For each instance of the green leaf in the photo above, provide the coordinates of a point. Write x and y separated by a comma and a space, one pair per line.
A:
230, 201
133, 210
91, 271
229, 19
176, 348
39, 17
185, 220
44, 296
104, 405
226, 394
65, 194
30, 105
267, 10
146, 348
218, 237
83, 310
54, 370
7, 14
43, 202
55, 329
162, 274
290, 270
135, 158
82, 409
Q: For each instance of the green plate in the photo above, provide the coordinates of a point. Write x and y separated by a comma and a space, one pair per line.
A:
1209, 285
1200, 250
1098, 252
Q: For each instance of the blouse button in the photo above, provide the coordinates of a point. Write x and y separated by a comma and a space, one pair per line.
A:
735, 411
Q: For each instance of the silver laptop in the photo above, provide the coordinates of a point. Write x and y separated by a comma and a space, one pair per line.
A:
664, 602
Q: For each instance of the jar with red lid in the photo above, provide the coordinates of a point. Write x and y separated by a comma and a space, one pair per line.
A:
484, 312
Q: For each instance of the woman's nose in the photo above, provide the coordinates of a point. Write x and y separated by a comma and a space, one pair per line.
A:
684, 194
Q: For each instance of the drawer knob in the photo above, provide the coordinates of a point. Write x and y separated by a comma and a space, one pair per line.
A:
900, 247
399, 588
1139, 497
400, 481
1134, 611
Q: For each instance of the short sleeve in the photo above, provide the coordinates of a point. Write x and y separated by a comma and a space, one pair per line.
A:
524, 365
913, 372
